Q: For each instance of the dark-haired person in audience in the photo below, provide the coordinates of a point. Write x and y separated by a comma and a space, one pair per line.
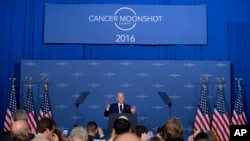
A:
20, 131
94, 132
174, 130
161, 132
202, 136
79, 134
20, 114
45, 129
59, 134
139, 130
142, 133
119, 107
121, 125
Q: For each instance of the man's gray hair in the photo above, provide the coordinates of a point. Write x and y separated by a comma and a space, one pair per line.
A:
20, 114
79, 132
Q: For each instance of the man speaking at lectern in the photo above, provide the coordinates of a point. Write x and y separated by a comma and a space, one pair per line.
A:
119, 107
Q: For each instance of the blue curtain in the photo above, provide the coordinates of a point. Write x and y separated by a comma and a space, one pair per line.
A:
21, 37
238, 52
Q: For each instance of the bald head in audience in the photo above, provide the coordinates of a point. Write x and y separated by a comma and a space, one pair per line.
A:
19, 130
127, 137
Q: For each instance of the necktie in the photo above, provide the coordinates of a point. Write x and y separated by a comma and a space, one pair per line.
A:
120, 108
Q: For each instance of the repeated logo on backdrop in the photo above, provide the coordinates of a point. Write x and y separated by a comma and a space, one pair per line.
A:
139, 80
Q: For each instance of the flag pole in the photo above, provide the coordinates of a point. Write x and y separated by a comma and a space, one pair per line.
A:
239, 79
45, 79
13, 79
29, 78
203, 82
220, 82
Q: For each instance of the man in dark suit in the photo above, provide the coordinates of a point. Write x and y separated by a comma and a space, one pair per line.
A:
119, 107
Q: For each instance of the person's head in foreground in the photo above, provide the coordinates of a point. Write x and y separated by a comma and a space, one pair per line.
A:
79, 134
19, 131
121, 125
46, 127
202, 136
92, 127
59, 134
139, 130
20, 114
174, 130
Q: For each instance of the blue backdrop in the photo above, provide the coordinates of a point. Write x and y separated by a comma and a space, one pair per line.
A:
139, 80
21, 37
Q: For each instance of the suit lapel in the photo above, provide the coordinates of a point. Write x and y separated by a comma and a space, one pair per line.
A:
116, 108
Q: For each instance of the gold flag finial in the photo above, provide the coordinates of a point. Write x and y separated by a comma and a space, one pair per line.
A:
13, 79
239, 79
220, 83
29, 78
45, 79
203, 82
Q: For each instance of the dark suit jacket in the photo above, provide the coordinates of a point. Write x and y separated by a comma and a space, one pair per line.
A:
114, 109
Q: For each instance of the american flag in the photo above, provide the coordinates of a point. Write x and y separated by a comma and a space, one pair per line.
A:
29, 108
239, 117
220, 121
10, 110
202, 121
45, 109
